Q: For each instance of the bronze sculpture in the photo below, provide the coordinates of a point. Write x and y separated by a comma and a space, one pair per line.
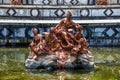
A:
16, 2
61, 43
35, 44
101, 2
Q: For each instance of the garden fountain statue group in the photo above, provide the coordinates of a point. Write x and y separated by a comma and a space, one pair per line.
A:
64, 47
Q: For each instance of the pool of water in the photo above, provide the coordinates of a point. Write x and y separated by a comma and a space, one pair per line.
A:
12, 66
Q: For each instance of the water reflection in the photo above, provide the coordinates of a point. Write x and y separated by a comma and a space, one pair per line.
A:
19, 57
11, 63
99, 58
4, 58
110, 58
61, 74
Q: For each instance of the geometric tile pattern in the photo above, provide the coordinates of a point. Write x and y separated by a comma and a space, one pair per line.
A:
108, 12
103, 32
59, 13
74, 2
55, 2
84, 12
51, 12
11, 12
46, 2
34, 12
96, 35
59, 2
110, 32
6, 32
19, 32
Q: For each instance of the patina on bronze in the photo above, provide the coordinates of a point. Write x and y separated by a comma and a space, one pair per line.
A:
101, 2
63, 47
16, 2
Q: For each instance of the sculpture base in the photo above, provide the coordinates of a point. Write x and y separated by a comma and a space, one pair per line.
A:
49, 62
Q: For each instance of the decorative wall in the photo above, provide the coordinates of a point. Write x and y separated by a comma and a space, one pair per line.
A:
58, 12
97, 35
60, 2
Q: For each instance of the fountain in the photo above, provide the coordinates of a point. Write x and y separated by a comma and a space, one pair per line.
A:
64, 47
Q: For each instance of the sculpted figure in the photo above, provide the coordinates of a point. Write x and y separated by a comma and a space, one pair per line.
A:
62, 58
62, 30
37, 40
102, 2
61, 42
19, 2
51, 40
66, 23
84, 46
16, 2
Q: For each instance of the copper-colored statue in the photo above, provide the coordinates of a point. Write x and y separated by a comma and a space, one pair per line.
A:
36, 43
60, 42
62, 58
102, 2
16, 2
63, 26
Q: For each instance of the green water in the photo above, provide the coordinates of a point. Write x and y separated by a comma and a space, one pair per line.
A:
12, 66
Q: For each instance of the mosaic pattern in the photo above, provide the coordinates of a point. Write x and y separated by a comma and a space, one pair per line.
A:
46, 2
53, 2
96, 35
59, 2
11, 12
103, 35
59, 13
53, 13
74, 2
108, 12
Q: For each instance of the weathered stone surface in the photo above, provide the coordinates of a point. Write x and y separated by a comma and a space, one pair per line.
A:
85, 60
32, 64
49, 62
43, 61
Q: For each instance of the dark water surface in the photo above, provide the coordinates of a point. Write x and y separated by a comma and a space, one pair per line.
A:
12, 66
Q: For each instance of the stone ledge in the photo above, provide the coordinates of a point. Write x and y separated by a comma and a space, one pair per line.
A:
57, 7
105, 21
